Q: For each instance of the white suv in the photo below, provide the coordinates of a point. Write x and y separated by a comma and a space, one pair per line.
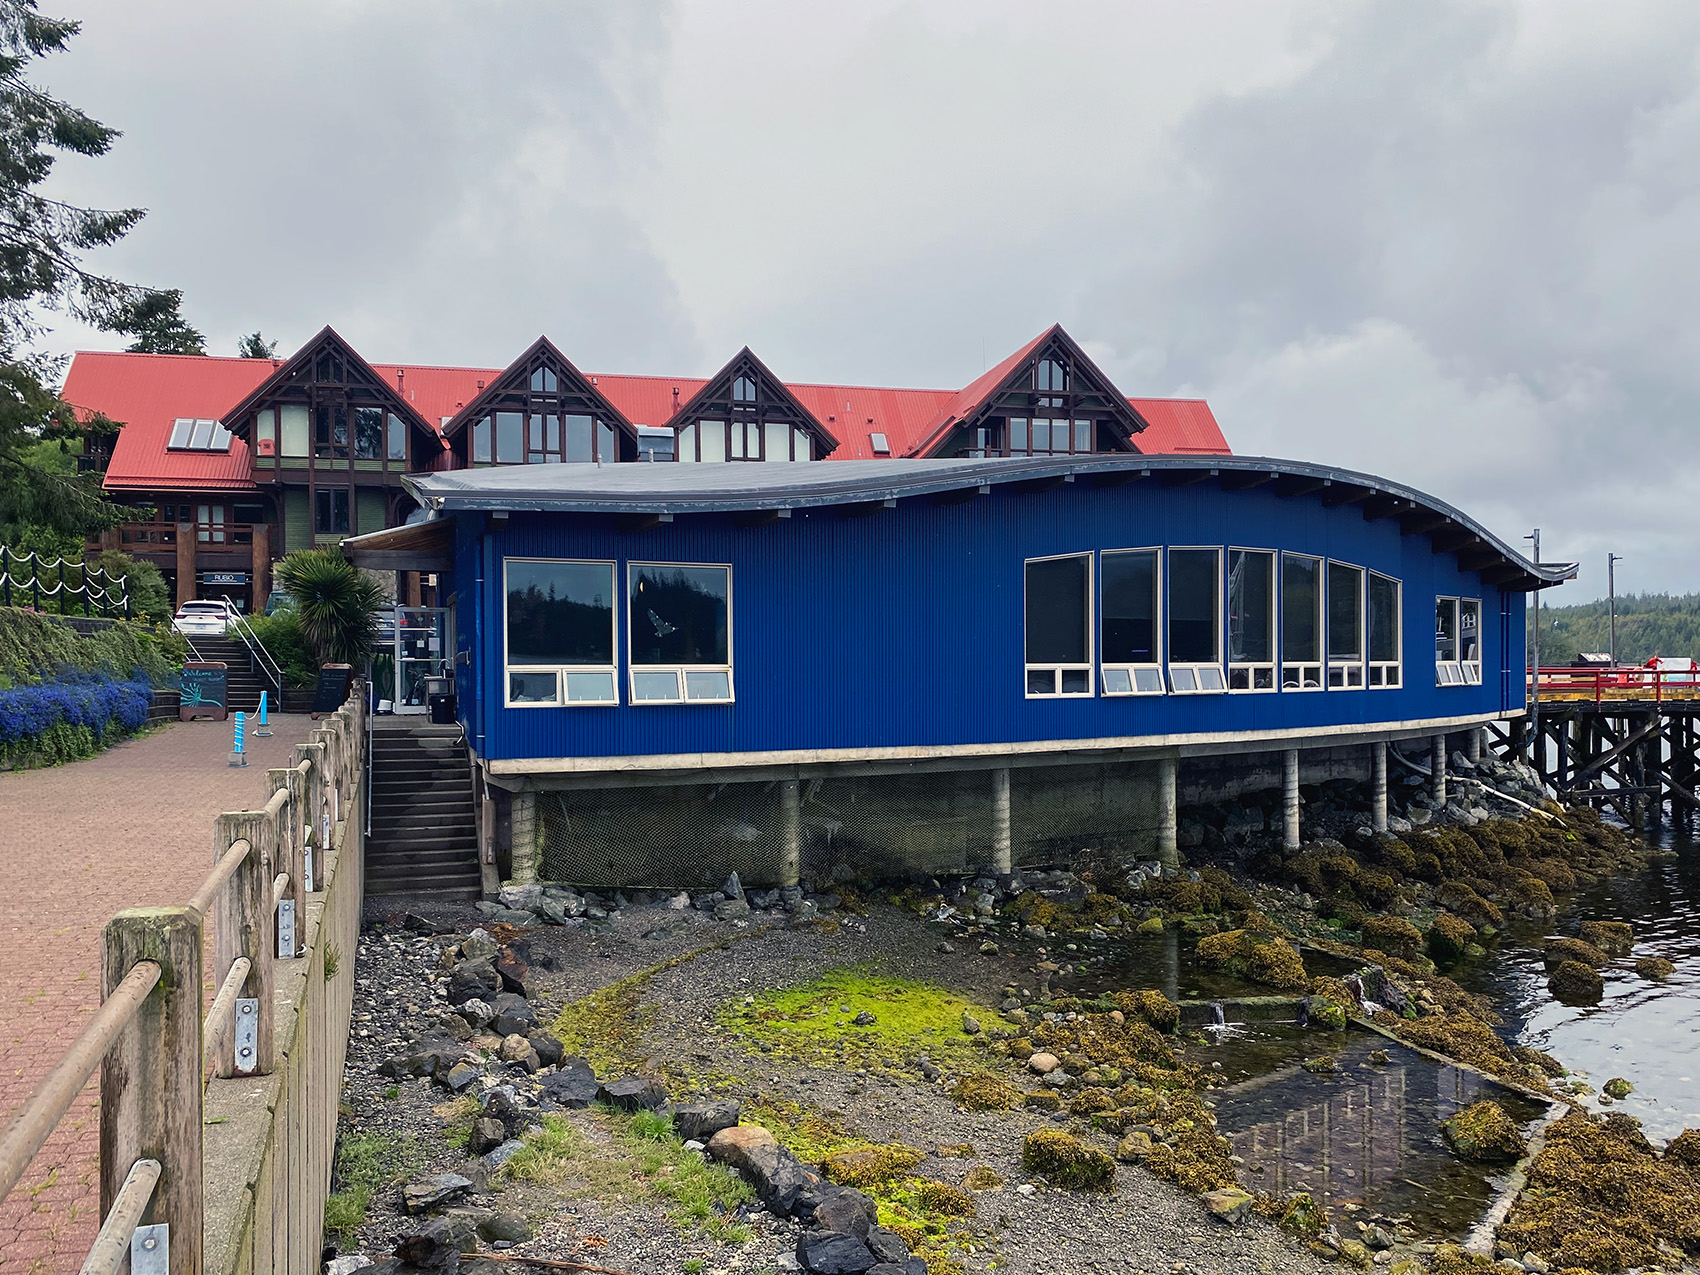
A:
203, 619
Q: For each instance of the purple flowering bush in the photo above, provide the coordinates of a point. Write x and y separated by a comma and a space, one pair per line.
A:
73, 716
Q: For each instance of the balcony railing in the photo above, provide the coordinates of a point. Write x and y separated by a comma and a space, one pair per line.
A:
209, 535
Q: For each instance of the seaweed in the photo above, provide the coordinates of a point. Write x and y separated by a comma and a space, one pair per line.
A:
1064, 1160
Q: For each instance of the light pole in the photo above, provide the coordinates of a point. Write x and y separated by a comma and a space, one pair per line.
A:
1535, 712
1612, 560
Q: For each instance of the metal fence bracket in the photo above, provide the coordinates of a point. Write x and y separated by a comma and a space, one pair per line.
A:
247, 1036
150, 1250
307, 861
286, 930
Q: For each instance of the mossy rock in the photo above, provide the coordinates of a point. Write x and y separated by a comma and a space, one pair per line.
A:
985, 1091
1556, 951
942, 1198
1449, 938
1152, 925
1617, 1087
1655, 969
866, 1167
1392, 934
1090, 1102
1484, 1133
1151, 1005
1685, 1149
1323, 1014
1300, 1216
1574, 983
1321, 1065
1064, 1160
1043, 1100
982, 1177
1258, 957
1614, 937
1459, 897
1545, 1063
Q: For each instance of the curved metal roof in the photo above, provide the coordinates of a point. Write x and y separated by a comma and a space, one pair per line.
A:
651, 490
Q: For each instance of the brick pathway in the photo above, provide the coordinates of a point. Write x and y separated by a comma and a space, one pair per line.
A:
132, 827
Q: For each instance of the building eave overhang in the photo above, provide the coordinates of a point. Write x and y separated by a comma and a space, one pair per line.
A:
652, 490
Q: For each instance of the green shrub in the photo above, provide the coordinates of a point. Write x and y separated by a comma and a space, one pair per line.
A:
282, 637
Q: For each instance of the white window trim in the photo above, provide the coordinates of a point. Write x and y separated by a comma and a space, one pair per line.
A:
1057, 670
1251, 669
1304, 668
1198, 670
1157, 635
633, 668
1472, 668
1460, 672
1394, 667
612, 670
1353, 672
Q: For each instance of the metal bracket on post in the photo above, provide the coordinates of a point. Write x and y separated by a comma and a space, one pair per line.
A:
325, 837
247, 1036
286, 930
307, 866
150, 1250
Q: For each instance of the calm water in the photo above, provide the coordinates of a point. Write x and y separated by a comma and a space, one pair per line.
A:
1648, 1033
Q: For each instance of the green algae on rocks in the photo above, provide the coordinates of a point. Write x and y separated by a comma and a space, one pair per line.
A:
1262, 958
1483, 1132
1064, 1160
985, 1091
1575, 983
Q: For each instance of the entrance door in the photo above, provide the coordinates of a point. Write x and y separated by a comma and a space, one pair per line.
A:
421, 651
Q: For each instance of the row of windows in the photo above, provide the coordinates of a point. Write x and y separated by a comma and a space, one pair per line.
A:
516, 438
560, 637
330, 431
1174, 621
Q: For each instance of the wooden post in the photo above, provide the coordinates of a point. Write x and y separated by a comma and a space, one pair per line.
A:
1290, 798
1003, 840
185, 562
150, 1081
315, 807
246, 926
260, 569
1168, 813
790, 832
291, 850
1378, 786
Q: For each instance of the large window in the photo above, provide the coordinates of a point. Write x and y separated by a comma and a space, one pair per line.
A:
680, 634
292, 419
1345, 627
1128, 647
1048, 435
1301, 623
560, 632
330, 511
1059, 625
1457, 641
743, 439
1251, 620
1382, 597
1195, 621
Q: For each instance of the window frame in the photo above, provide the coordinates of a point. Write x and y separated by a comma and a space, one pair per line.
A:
561, 670
347, 510
1057, 671
1314, 668
1252, 668
1457, 671
1472, 669
1194, 678
680, 672
1157, 634
1391, 673
1350, 670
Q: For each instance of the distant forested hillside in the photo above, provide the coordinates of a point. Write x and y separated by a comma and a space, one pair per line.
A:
1648, 624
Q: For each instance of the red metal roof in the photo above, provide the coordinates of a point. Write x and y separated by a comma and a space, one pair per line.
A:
147, 392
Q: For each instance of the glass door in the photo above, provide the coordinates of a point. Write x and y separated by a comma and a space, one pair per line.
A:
421, 648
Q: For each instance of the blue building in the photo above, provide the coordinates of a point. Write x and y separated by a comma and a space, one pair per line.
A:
668, 671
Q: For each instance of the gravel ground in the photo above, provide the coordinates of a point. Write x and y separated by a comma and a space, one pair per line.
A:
1145, 1225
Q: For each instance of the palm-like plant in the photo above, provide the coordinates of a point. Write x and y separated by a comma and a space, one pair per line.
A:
335, 605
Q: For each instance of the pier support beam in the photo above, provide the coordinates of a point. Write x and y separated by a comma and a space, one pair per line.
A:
1437, 769
790, 833
1378, 787
1475, 752
1290, 798
1168, 844
1002, 843
522, 835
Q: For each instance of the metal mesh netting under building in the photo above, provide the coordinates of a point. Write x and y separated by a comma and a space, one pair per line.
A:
692, 836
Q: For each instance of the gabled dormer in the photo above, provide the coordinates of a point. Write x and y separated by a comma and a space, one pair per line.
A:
745, 412
541, 410
1048, 398
326, 409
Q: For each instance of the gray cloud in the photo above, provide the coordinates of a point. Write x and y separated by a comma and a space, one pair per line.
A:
1455, 243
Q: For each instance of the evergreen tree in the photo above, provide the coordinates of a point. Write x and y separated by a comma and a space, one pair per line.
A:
160, 327
255, 346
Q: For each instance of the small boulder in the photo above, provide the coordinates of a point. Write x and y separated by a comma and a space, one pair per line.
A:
700, 1121
1043, 1064
425, 1194
734, 888
778, 1177
431, 1248
731, 910
970, 1024
833, 1253
547, 1045
573, 1085
1133, 1147
1613, 937
1655, 969
850, 1211
1065, 1161
634, 1093
732, 1146
1483, 1132
505, 1226
1230, 1204
864, 1019
487, 1134
521, 897
473, 980
1574, 983
1617, 1087
479, 945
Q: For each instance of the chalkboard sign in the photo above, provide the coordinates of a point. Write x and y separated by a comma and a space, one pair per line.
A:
332, 689
203, 691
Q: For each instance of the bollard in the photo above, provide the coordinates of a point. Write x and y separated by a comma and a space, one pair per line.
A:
264, 731
237, 756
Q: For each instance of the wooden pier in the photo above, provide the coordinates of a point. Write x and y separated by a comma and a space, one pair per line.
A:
1628, 738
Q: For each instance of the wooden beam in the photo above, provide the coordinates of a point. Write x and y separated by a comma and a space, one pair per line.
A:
1345, 494
1292, 487
761, 517
1243, 480
1383, 505
1453, 538
1503, 575
863, 508
1421, 520
1185, 477
1477, 556
402, 560
1116, 477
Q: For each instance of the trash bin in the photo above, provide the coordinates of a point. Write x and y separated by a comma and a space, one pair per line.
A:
440, 700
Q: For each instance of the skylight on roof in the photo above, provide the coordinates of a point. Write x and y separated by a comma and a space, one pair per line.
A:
880, 444
197, 435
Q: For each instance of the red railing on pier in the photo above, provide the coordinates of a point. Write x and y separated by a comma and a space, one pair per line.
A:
1602, 683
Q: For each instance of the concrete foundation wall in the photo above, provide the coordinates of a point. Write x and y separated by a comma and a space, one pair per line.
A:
270, 1140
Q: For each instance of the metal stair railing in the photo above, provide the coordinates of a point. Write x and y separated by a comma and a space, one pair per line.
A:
256, 649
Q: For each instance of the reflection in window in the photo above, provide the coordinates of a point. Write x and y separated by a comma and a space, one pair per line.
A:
1457, 641
369, 433
1048, 436
1128, 629
559, 631
397, 439
1058, 625
1301, 623
292, 430
1382, 604
330, 511
1345, 626
1051, 375
1251, 620
330, 431
481, 441
1195, 598
679, 622
1470, 639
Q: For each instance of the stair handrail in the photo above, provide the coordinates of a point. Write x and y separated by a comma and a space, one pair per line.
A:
256, 649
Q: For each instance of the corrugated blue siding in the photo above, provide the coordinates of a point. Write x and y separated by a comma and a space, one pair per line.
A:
904, 628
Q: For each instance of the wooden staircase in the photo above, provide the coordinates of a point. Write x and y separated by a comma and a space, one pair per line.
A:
424, 837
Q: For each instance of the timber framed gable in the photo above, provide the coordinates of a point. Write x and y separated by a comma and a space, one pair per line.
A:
744, 412
541, 409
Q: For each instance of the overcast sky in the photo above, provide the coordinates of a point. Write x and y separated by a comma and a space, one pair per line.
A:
1454, 243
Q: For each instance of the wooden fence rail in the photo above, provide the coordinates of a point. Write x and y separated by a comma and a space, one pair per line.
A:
149, 1039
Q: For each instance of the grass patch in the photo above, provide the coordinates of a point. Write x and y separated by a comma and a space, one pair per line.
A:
811, 1024
607, 1027
366, 1163
457, 1116
636, 1158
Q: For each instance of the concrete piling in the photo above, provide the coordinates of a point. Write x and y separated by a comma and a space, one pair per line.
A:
1437, 769
1168, 843
1378, 786
1002, 842
1290, 798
